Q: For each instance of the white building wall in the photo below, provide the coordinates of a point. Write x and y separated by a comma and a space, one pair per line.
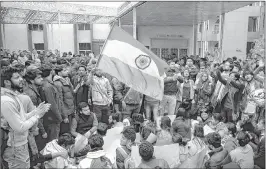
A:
16, 37
101, 31
146, 33
37, 37
236, 33
67, 37
84, 36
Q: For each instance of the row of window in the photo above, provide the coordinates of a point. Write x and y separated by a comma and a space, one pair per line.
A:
39, 27
83, 47
253, 25
167, 53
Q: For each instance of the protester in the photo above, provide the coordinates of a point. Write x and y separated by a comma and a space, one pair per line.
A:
132, 101
34, 82
114, 120
101, 94
151, 107
209, 109
218, 156
259, 158
49, 93
126, 142
85, 122
243, 155
146, 151
16, 120
170, 90
66, 94
81, 90
164, 136
197, 143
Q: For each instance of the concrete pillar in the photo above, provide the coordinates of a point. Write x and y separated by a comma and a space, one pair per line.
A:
52, 37
134, 23
221, 31
75, 38
45, 37
2, 36
195, 38
60, 38
29, 35
91, 30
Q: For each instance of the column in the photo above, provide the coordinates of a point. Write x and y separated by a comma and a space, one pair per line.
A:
75, 38
52, 36
29, 35
60, 39
2, 36
221, 30
45, 37
91, 31
195, 38
134, 23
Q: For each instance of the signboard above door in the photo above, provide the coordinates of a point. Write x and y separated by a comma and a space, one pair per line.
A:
169, 36
169, 43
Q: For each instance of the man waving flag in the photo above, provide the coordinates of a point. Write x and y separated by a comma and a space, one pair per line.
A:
133, 64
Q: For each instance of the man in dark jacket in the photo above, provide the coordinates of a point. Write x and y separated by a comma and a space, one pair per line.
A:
81, 89
50, 94
230, 96
170, 90
34, 81
66, 94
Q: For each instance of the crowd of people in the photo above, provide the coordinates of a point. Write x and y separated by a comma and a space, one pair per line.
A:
48, 103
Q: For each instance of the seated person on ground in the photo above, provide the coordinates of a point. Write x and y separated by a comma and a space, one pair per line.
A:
85, 123
146, 151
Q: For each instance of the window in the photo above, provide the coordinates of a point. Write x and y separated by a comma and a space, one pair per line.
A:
156, 51
199, 52
216, 29
200, 28
84, 47
207, 25
83, 26
253, 24
182, 52
165, 53
250, 45
39, 47
35, 27
174, 51
147, 47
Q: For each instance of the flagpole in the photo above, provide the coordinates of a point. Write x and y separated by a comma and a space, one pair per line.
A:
104, 45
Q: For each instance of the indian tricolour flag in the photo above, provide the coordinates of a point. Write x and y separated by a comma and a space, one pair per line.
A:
133, 64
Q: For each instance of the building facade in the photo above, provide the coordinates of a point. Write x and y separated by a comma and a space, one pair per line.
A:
233, 33
75, 38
